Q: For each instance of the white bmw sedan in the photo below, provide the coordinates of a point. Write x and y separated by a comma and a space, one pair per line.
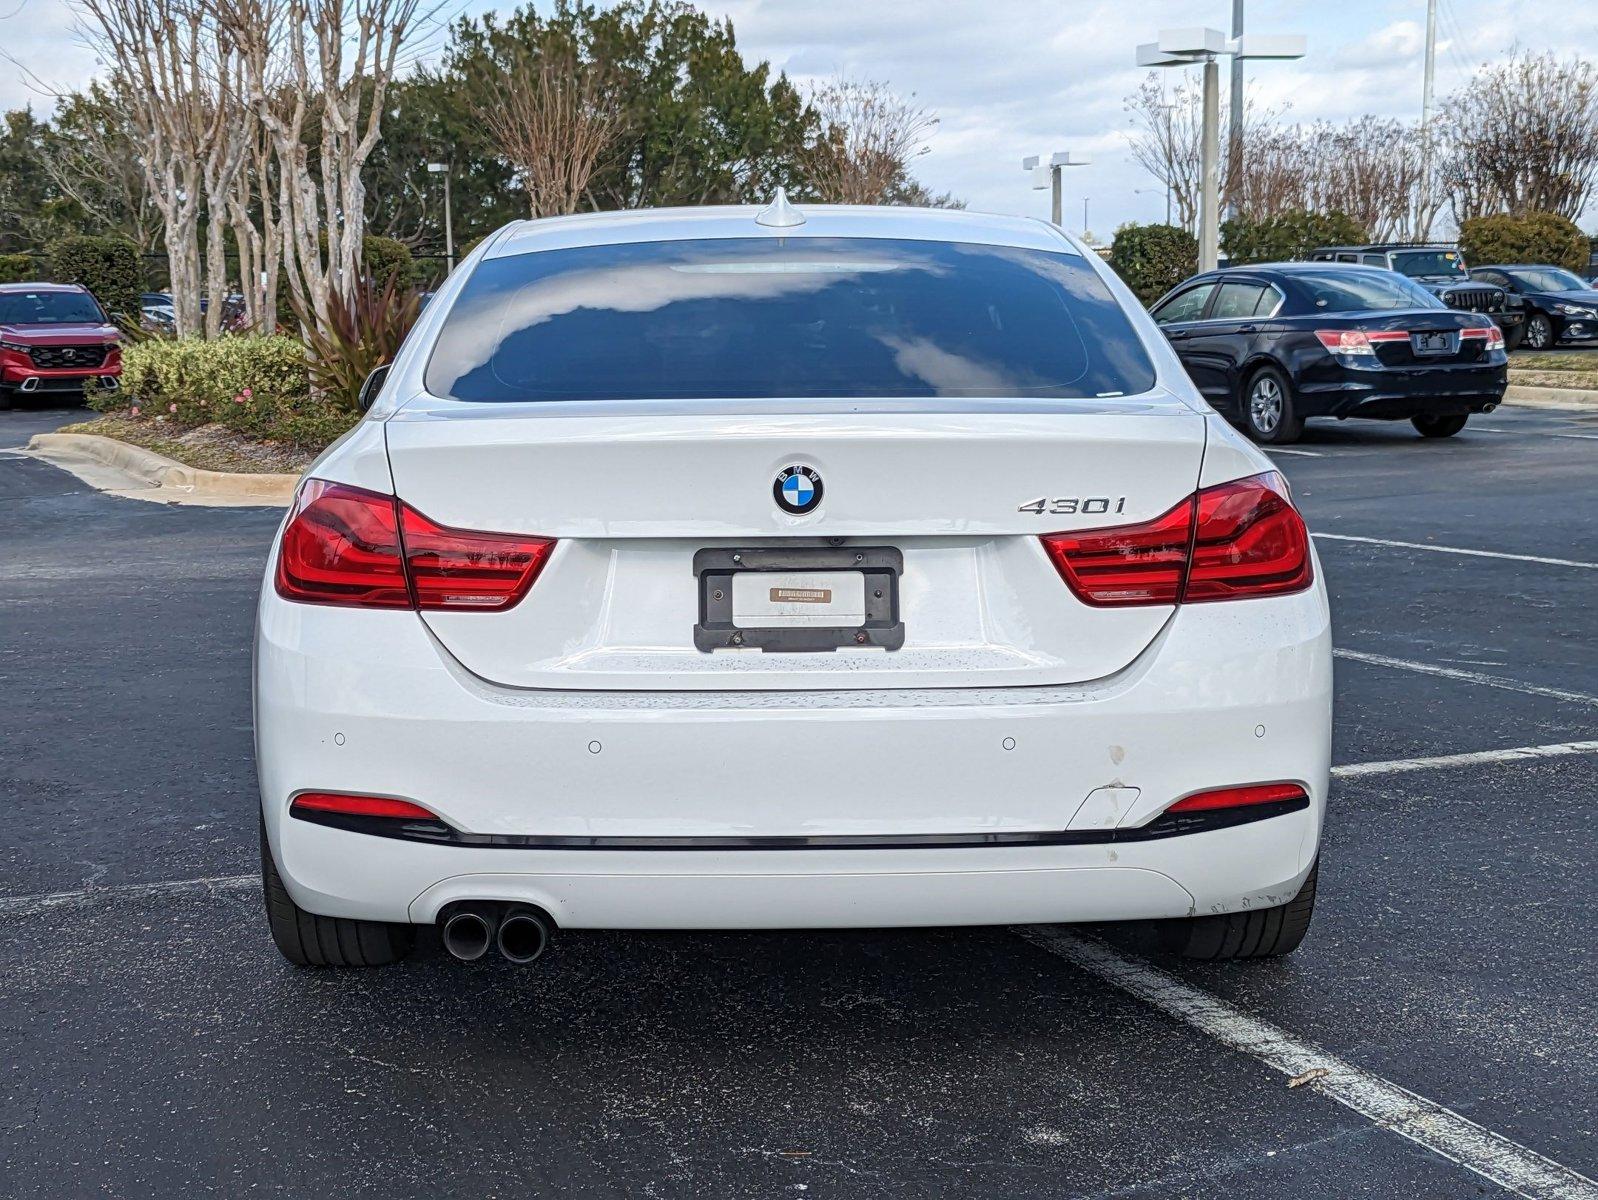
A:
767, 569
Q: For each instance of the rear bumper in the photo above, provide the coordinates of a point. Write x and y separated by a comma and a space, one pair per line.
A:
368, 702
1397, 393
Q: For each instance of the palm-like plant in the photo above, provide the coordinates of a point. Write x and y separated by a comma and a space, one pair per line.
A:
363, 331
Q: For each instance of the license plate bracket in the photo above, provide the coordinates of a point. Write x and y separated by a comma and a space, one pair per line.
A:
878, 567
1440, 342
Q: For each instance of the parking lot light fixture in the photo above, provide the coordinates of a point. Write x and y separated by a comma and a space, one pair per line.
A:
1049, 176
438, 168
1204, 46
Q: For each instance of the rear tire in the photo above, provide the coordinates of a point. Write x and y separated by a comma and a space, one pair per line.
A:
1268, 414
1258, 933
308, 940
1539, 332
1438, 427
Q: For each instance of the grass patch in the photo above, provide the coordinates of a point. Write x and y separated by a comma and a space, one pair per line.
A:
207, 447
1584, 363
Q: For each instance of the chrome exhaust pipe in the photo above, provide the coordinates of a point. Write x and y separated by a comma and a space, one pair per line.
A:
468, 932
523, 934
1487, 408
30, 384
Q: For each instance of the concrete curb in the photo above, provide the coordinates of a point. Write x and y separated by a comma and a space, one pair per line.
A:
1546, 397
158, 471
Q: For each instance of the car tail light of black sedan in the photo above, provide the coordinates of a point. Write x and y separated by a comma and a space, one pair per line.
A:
1272, 345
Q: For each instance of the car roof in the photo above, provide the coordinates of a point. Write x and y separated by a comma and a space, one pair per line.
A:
1384, 247
738, 221
1287, 268
7, 288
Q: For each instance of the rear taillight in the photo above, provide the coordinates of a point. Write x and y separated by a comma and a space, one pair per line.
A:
345, 545
1492, 336
1230, 542
1239, 797
1347, 341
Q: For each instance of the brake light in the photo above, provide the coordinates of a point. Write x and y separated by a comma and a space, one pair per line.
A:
1494, 336
359, 806
347, 546
1233, 541
1347, 341
1239, 797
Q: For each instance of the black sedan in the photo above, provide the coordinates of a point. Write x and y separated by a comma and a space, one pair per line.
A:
1271, 345
1560, 305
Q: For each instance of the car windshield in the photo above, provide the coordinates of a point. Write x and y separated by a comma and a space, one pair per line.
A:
1361, 290
1418, 264
1547, 279
768, 317
49, 308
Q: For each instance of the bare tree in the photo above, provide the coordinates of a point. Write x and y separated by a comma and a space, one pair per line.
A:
1166, 141
868, 137
94, 155
553, 118
316, 73
179, 73
1522, 137
1373, 171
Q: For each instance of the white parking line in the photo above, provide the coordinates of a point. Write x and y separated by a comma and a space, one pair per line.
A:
1531, 558
1508, 685
27, 906
1425, 1122
1283, 450
1477, 758
1586, 437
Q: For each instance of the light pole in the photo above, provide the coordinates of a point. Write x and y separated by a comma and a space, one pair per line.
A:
449, 220
1184, 48
1049, 177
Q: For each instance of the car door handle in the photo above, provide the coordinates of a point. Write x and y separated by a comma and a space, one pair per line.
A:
1248, 328
1177, 335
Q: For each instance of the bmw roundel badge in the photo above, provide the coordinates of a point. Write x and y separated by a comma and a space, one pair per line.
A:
797, 489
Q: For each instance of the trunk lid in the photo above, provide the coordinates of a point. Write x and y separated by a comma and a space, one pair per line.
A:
633, 495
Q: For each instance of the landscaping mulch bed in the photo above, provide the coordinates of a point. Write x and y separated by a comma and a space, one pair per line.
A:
208, 447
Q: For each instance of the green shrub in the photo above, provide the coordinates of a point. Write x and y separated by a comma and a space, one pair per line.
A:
1153, 259
256, 384
17, 268
365, 331
385, 258
1286, 237
110, 267
1534, 238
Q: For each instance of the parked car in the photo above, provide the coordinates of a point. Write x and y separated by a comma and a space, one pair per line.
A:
838, 554
1560, 306
1440, 269
156, 312
1271, 345
54, 337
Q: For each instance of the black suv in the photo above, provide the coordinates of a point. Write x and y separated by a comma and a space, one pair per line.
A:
1440, 269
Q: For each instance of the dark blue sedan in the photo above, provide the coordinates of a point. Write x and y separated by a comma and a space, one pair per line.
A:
1560, 305
1271, 345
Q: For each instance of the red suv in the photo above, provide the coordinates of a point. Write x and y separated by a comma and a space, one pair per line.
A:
54, 337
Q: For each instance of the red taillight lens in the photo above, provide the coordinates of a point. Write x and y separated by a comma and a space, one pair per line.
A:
1228, 542
1250, 542
1346, 341
1129, 564
1492, 335
359, 806
456, 568
1239, 797
342, 547
345, 545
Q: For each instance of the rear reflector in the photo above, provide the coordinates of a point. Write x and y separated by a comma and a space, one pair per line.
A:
1230, 542
1239, 797
348, 546
359, 806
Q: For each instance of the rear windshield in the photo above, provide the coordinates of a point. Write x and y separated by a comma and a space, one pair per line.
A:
1360, 290
49, 308
1419, 263
762, 318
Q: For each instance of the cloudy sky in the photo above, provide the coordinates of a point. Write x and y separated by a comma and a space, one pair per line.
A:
1010, 78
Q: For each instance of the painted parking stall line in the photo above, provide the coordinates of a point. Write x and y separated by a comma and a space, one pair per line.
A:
1425, 1122
1476, 758
1493, 681
27, 906
1531, 558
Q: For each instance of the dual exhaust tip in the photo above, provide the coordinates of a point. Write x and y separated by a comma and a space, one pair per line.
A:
518, 931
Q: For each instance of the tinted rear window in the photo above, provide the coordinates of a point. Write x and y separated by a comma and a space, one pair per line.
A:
1362, 291
762, 318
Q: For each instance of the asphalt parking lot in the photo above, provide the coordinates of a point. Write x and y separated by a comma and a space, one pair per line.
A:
155, 1045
